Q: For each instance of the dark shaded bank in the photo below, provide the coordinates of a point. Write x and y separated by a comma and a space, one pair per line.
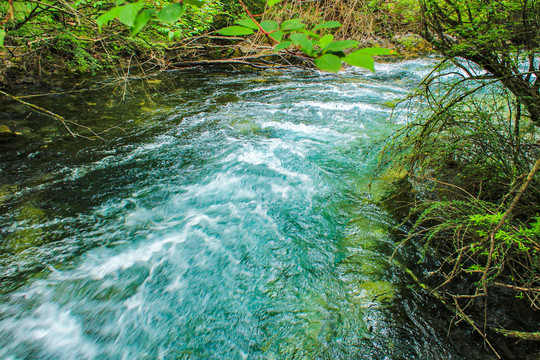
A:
508, 321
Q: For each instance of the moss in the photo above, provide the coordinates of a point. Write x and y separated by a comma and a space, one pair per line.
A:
29, 233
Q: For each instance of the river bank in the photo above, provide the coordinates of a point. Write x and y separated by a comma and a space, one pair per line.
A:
42, 44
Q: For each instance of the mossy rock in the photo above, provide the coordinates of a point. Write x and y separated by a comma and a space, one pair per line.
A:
374, 291
24, 239
227, 98
6, 191
413, 45
28, 234
247, 127
6, 132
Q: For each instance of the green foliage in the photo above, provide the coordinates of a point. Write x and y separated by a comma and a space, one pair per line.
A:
248, 23
236, 31
292, 24
108, 16
467, 154
171, 13
361, 59
129, 13
270, 25
182, 19
272, 2
327, 53
140, 21
327, 25
328, 62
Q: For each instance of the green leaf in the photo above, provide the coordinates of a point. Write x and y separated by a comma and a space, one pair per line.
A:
303, 42
328, 62
342, 45
271, 3
326, 40
277, 35
141, 20
360, 59
328, 25
247, 22
293, 24
375, 51
235, 31
129, 12
283, 45
108, 16
195, 3
2, 37
171, 12
310, 34
269, 25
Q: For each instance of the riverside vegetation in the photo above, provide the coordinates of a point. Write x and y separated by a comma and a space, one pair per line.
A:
468, 164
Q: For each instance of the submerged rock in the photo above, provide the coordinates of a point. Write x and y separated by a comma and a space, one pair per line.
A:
5, 132
227, 98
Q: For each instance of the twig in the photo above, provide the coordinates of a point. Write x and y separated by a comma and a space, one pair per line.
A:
55, 116
518, 288
507, 214
523, 335
126, 78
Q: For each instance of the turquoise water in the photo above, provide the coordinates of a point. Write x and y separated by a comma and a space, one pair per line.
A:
232, 220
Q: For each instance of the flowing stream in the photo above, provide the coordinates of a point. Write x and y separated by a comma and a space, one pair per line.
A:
235, 219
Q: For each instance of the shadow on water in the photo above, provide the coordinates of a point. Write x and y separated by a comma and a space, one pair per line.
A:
227, 217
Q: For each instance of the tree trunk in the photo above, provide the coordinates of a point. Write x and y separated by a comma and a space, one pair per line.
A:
526, 92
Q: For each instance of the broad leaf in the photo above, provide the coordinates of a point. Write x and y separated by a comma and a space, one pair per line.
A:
277, 35
141, 20
360, 59
328, 62
283, 45
342, 45
375, 51
269, 25
302, 41
247, 22
311, 34
2, 37
171, 13
326, 40
271, 3
293, 24
129, 13
195, 3
235, 31
108, 16
328, 25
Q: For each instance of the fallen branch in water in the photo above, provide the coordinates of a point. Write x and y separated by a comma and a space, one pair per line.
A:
532, 336
64, 122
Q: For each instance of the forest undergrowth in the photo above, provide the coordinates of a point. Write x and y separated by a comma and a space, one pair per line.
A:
469, 197
43, 40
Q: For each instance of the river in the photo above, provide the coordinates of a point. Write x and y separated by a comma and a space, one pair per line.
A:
232, 218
